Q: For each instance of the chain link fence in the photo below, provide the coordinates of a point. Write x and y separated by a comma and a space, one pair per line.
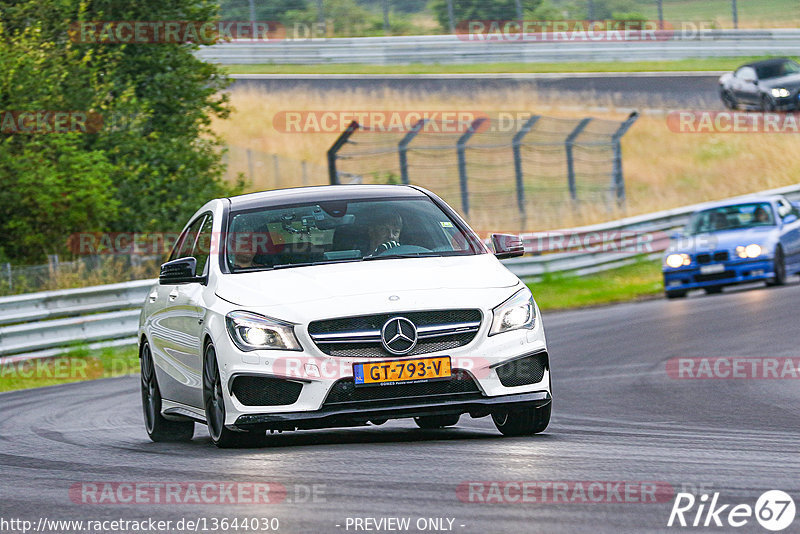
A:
264, 171
502, 171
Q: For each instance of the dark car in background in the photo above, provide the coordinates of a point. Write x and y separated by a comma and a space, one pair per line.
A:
768, 85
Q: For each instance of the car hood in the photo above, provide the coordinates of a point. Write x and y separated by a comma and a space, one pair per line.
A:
789, 82
725, 240
348, 280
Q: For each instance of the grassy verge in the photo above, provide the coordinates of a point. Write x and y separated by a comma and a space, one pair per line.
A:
707, 64
633, 282
75, 366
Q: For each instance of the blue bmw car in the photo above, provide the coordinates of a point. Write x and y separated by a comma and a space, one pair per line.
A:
734, 242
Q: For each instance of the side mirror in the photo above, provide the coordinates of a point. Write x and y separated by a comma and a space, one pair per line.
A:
180, 271
507, 246
790, 218
675, 235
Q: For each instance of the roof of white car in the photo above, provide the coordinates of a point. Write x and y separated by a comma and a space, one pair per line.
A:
322, 193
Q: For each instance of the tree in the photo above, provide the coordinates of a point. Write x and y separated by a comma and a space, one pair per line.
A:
157, 155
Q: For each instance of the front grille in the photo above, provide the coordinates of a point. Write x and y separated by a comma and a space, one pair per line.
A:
344, 392
265, 391
714, 276
361, 336
523, 371
706, 257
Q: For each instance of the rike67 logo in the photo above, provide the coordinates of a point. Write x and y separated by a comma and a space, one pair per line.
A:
774, 510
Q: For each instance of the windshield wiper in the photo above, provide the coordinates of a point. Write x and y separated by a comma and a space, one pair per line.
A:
310, 263
410, 255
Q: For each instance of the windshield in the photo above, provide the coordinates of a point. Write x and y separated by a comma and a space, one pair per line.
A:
777, 70
340, 231
731, 217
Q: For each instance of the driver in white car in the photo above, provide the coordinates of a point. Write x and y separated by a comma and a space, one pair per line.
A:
384, 232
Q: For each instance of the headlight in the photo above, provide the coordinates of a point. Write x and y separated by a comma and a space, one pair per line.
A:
250, 331
678, 260
780, 92
750, 251
517, 312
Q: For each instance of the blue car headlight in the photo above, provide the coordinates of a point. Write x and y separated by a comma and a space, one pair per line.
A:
677, 260
749, 251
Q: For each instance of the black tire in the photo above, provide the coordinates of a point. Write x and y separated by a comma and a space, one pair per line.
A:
779, 266
214, 404
524, 421
767, 104
437, 421
158, 427
727, 99
713, 290
676, 294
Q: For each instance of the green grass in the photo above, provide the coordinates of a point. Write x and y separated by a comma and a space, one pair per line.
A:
75, 366
712, 64
633, 282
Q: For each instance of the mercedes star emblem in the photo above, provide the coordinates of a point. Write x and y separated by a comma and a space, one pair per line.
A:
399, 335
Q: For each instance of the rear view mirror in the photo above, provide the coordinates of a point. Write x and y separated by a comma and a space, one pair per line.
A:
507, 246
180, 271
790, 218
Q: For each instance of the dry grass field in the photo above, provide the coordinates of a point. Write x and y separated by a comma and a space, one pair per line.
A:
662, 169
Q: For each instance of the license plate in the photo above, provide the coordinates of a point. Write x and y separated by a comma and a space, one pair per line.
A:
711, 269
402, 371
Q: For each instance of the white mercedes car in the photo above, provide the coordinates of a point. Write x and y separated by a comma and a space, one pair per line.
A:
338, 306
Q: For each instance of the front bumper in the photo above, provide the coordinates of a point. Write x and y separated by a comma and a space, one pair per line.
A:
734, 272
337, 417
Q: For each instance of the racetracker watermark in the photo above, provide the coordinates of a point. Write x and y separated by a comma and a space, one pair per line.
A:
547, 31
203, 493
174, 31
564, 492
48, 121
67, 368
730, 122
734, 368
382, 121
334, 368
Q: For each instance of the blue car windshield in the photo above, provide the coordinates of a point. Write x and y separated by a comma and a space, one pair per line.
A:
342, 231
776, 70
732, 217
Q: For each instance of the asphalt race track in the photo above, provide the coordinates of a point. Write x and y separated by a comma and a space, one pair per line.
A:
646, 90
618, 416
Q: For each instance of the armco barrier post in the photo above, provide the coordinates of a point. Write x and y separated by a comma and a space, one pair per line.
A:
515, 147
569, 143
402, 149
461, 148
618, 182
334, 149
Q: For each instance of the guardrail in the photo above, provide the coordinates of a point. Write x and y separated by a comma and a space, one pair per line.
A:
457, 49
39, 325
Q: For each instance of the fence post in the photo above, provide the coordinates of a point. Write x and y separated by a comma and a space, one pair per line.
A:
10, 278
276, 169
570, 141
617, 180
334, 149
402, 149
515, 147
735, 13
461, 148
250, 164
